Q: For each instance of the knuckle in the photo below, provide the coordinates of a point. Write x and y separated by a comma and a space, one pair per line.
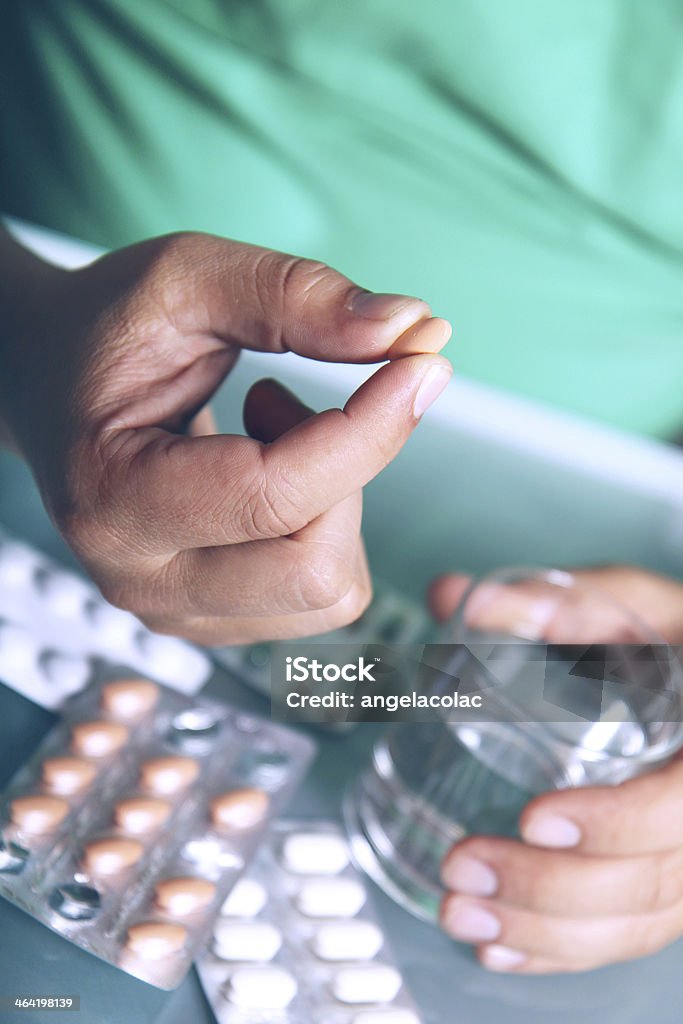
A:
271, 508
321, 578
282, 281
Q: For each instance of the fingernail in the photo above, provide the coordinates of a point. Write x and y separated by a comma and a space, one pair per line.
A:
381, 306
501, 958
552, 831
470, 876
433, 383
471, 923
428, 335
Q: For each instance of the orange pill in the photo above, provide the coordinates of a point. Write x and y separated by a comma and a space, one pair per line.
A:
98, 739
182, 896
38, 815
168, 775
141, 814
129, 698
154, 940
239, 809
104, 857
67, 775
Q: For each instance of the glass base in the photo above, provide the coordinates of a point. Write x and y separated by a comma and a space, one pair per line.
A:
407, 892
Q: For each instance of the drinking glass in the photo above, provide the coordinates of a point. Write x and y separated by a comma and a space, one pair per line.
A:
575, 691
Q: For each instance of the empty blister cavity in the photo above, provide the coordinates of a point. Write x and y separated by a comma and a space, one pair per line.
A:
182, 897
347, 940
239, 810
13, 857
98, 739
369, 983
75, 901
263, 767
129, 698
330, 897
315, 853
261, 988
195, 729
247, 899
248, 941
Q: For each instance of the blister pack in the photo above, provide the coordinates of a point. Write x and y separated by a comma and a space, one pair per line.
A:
129, 826
53, 623
297, 940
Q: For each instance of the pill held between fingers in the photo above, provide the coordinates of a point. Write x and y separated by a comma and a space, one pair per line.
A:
155, 940
38, 815
392, 1016
141, 814
129, 698
168, 775
104, 857
347, 940
239, 810
182, 896
261, 988
371, 983
330, 897
67, 775
247, 899
98, 739
254, 941
314, 853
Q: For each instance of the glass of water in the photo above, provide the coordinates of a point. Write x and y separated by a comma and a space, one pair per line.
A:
575, 690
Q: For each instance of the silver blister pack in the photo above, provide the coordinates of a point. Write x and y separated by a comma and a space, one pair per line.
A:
130, 825
298, 941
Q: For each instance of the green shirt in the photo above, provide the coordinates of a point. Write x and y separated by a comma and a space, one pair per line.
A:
517, 163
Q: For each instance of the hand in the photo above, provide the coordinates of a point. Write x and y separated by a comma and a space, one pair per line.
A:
598, 876
217, 538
